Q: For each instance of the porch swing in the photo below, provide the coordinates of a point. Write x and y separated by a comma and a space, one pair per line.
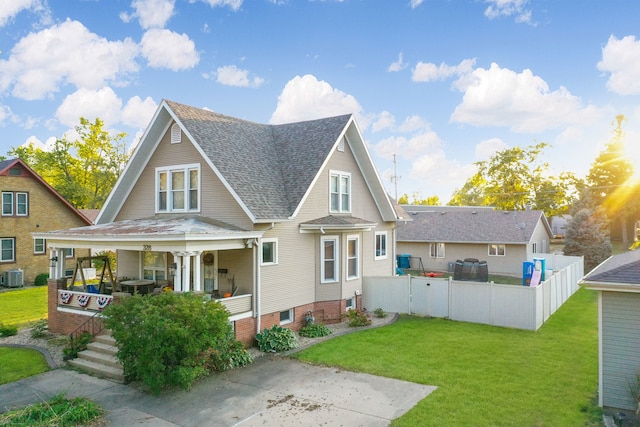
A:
106, 268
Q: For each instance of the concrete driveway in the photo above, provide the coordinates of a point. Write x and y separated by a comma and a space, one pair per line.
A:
272, 391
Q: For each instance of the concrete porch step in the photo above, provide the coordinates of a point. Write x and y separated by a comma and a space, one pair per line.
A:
100, 359
98, 369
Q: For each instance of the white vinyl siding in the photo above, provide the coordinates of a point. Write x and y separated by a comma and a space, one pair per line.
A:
620, 361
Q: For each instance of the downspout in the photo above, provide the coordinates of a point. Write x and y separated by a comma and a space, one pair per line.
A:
257, 243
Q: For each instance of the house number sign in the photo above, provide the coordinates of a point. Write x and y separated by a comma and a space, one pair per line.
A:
146, 247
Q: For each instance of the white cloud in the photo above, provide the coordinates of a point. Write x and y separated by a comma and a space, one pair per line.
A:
103, 103
138, 113
10, 8
306, 98
570, 134
520, 101
621, 58
150, 13
415, 3
231, 75
233, 4
426, 71
487, 148
398, 65
66, 53
501, 8
384, 120
167, 49
48, 145
414, 123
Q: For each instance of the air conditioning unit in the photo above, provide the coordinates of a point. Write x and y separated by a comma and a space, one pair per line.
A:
13, 279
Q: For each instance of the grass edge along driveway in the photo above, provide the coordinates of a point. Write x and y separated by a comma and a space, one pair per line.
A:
486, 375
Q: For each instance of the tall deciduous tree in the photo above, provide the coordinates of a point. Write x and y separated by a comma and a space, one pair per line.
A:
83, 170
612, 183
430, 201
514, 178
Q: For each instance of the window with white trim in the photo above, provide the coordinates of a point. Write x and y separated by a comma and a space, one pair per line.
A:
286, 316
381, 245
339, 191
177, 188
269, 251
15, 203
155, 265
436, 250
534, 247
39, 246
496, 250
7, 249
353, 257
329, 259
350, 303
68, 252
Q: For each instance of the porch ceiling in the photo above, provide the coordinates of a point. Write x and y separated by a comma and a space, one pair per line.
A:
162, 233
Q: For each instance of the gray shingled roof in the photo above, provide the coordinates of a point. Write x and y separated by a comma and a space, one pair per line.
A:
468, 225
623, 269
270, 167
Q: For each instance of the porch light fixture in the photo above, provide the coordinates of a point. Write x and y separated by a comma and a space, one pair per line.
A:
54, 261
172, 269
249, 243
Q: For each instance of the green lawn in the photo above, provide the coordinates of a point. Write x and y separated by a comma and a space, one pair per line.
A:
19, 307
486, 376
18, 363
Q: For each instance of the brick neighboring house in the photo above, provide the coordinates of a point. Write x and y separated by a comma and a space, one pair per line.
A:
29, 204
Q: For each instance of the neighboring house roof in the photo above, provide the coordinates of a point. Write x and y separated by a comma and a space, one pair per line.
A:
5, 170
91, 214
468, 224
268, 168
617, 273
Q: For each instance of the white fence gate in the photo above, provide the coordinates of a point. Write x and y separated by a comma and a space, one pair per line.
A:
521, 307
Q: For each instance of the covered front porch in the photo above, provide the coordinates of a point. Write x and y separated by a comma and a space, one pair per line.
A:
160, 254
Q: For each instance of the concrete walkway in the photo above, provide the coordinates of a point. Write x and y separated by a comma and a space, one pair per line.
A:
271, 391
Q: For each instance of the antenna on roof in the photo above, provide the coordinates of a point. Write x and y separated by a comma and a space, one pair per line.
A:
395, 177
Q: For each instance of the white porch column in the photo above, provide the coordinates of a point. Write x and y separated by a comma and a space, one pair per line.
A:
177, 279
54, 272
187, 272
197, 269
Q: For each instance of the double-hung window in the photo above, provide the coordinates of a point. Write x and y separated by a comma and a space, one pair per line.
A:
15, 203
381, 245
7, 249
353, 256
155, 265
329, 261
436, 250
39, 246
178, 188
340, 191
496, 250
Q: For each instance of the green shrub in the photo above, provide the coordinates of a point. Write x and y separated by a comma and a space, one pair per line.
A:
39, 328
172, 339
76, 344
8, 330
314, 330
357, 318
276, 339
379, 313
41, 279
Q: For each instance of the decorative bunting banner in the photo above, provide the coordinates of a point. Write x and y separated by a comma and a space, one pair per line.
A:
83, 300
66, 297
103, 301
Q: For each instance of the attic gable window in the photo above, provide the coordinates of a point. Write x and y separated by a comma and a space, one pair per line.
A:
176, 134
341, 145
339, 191
178, 188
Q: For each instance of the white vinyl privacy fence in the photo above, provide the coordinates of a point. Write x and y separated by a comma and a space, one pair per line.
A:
513, 306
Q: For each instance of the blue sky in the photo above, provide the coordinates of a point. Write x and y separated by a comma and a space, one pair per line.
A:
440, 84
